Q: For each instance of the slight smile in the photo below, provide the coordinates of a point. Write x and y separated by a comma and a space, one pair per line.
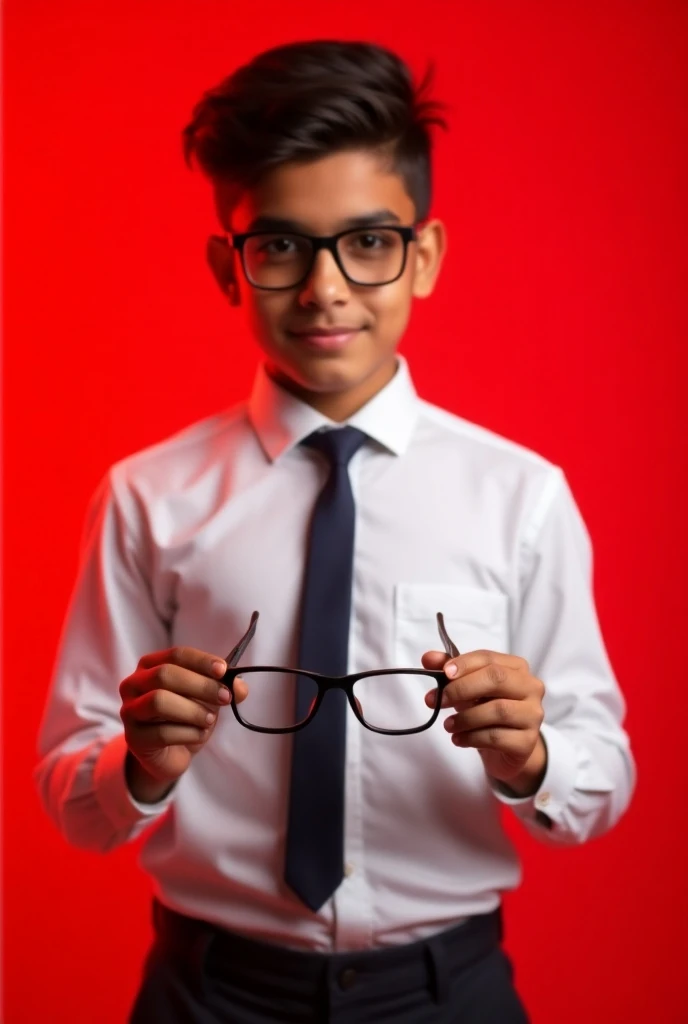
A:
326, 339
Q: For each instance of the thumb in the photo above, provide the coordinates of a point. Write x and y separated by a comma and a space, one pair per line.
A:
434, 660
240, 690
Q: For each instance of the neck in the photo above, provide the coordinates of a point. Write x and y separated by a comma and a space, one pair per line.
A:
339, 406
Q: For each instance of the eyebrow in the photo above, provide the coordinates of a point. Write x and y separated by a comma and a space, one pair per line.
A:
265, 222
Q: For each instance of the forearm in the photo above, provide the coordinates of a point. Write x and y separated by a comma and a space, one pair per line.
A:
85, 793
586, 787
529, 780
590, 773
144, 787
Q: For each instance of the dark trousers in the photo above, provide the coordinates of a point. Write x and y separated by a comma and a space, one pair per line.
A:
198, 974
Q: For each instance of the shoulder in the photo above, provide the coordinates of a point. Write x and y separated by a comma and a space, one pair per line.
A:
202, 450
486, 447
494, 469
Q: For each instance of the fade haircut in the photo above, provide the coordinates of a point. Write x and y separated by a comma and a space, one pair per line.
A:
308, 100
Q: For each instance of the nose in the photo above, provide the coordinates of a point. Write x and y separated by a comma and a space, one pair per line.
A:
325, 285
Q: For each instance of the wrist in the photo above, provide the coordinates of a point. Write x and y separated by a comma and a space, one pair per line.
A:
530, 778
144, 787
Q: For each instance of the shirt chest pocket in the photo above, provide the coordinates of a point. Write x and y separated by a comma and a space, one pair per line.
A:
476, 619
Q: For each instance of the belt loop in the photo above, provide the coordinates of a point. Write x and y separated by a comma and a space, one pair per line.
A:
437, 968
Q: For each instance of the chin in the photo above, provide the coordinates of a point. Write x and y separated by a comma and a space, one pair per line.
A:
325, 376
328, 373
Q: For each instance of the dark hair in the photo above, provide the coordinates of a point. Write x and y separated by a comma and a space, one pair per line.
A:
306, 100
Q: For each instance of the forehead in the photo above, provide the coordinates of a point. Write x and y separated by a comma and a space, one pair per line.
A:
321, 195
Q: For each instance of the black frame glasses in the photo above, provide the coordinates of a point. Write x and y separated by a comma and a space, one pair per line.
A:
326, 683
328, 242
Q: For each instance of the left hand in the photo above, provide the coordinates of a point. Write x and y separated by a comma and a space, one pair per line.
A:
498, 710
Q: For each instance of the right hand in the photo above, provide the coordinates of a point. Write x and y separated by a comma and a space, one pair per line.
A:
170, 706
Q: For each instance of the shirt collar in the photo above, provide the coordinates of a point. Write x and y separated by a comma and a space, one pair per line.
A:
281, 420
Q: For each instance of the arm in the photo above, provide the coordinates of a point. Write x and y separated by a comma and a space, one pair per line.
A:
111, 621
547, 720
590, 772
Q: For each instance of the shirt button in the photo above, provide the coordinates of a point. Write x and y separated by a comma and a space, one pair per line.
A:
543, 799
349, 870
347, 978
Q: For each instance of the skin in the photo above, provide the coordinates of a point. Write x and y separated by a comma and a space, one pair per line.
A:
171, 703
498, 710
321, 198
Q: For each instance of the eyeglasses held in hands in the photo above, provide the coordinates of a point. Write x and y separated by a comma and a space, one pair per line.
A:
388, 700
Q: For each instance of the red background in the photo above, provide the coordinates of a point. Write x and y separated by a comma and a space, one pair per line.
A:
560, 321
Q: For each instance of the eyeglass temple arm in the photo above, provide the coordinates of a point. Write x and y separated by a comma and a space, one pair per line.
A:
235, 654
449, 645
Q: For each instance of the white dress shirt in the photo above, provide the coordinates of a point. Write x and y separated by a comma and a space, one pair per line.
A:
187, 538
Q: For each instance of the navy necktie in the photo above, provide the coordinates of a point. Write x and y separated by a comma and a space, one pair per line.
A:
314, 863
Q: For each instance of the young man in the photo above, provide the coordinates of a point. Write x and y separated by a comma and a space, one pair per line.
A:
336, 872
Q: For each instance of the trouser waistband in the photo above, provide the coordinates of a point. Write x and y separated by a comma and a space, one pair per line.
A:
425, 962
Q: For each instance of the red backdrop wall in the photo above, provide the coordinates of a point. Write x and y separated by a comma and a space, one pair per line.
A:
560, 321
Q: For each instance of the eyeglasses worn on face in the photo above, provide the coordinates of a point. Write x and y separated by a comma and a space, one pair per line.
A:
389, 701
278, 260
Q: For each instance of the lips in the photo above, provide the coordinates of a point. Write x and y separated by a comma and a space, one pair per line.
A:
326, 339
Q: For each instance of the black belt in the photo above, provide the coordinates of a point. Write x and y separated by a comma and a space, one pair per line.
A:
429, 961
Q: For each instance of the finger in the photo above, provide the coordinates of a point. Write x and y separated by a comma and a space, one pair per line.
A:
434, 660
494, 680
142, 737
464, 705
459, 705
164, 706
190, 658
513, 742
464, 664
175, 680
239, 690
499, 713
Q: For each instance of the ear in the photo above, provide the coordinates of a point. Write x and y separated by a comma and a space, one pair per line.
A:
221, 259
430, 249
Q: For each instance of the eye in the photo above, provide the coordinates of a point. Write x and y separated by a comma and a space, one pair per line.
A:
370, 240
271, 248
277, 246
371, 244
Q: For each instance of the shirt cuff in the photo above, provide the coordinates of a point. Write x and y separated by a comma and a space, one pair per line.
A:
546, 807
112, 792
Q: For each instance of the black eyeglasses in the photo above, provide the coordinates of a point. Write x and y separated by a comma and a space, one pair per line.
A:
388, 700
276, 260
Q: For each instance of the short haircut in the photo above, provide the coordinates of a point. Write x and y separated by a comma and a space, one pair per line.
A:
308, 100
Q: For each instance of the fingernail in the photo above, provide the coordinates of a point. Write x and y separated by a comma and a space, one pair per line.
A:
451, 670
219, 668
210, 718
224, 696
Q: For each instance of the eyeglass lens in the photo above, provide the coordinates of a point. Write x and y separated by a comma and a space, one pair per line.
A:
370, 256
394, 702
